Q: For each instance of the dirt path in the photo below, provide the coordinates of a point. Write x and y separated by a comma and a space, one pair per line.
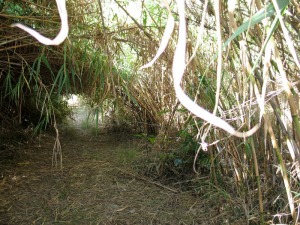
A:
97, 186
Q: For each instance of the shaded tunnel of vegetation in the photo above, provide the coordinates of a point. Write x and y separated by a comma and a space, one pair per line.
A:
256, 178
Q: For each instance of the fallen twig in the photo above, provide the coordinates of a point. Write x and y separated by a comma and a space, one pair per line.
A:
149, 181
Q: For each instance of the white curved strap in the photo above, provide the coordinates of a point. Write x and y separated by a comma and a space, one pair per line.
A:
63, 33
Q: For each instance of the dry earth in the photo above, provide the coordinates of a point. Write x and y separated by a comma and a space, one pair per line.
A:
97, 185
93, 188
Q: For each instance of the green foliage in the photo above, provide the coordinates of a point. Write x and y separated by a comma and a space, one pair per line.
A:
184, 156
147, 137
35, 99
127, 156
156, 12
15, 8
179, 161
38, 111
257, 18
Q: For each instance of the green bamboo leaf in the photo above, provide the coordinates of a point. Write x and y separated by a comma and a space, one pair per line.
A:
58, 76
26, 81
144, 18
269, 35
47, 64
8, 83
248, 150
129, 95
65, 83
257, 18
34, 74
37, 64
61, 80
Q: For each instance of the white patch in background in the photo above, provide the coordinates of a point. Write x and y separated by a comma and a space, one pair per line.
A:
73, 100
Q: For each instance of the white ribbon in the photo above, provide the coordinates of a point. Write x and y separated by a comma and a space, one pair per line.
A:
63, 33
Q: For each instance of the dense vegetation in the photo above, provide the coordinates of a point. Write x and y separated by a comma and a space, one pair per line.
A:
242, 65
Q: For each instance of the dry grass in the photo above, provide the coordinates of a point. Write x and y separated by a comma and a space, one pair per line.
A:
94, 189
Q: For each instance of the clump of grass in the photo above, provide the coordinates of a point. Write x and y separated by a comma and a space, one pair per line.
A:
127, 156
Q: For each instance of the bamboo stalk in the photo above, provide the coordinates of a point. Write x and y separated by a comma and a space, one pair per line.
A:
260, 198
282, 169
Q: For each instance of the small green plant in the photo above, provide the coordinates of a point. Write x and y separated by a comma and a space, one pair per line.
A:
127, 156
149, 138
